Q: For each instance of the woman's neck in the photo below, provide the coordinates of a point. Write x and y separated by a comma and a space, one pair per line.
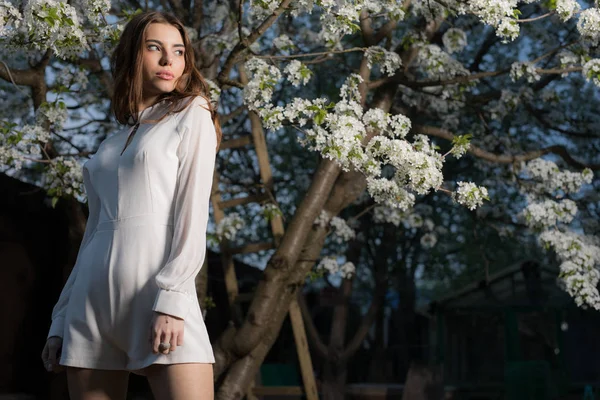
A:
147, 102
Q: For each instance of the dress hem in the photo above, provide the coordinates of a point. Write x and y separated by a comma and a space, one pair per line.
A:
110, 365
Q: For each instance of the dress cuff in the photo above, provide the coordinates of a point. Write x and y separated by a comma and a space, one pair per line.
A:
57, 328
172, 302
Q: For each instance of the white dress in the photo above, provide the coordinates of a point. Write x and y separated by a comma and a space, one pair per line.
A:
144, 244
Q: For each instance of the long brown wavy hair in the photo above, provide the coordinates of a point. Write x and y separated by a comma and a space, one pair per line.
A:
126, 68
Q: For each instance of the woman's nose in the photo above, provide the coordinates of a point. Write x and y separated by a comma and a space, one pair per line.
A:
166, 60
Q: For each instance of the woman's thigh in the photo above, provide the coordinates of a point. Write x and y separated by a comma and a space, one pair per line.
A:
97, 384
190, 381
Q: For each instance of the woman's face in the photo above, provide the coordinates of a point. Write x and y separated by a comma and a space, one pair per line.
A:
163, 59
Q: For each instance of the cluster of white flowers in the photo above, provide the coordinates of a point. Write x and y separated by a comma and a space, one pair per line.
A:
567, 8
259, 89
340, 18
454, 40
428, 240
388, 61
589, 25
229, 226
52, 24
52, 113
261, 9
508, 102
331, 266
438, 64
578, 253
499, 14
297, 73
591, 71
339, 135
470, 195
64, 177
460, 145
414, 220
567, 59
391, 215
270, 211
10, 18
215, 92
554, 180
342, 230
542, 215
77, 78
283, 42
18, 143
323, 219
524, 69
580, 261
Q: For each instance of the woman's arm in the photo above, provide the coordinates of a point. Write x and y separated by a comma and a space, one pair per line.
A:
58, 313
196, 153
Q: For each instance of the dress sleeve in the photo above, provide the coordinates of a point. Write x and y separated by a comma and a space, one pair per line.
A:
59, 310
196, 153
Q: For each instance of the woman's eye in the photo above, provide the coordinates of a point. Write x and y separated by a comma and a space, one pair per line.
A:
179, 52
152, 47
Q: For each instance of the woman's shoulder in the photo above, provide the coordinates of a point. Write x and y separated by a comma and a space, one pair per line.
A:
192, 108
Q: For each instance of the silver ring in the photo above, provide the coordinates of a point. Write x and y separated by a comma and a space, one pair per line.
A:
164, 346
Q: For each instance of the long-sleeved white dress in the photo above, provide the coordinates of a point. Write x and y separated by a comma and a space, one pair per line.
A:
144, 244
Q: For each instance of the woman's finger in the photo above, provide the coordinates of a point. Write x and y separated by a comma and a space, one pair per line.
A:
173, 342
156, 334
52, 358
45, 353
180, 338
166, 338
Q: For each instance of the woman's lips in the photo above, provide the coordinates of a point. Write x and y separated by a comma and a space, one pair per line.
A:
165, 75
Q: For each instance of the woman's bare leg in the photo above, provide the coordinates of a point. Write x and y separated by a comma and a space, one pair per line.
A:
97, 384
181, 381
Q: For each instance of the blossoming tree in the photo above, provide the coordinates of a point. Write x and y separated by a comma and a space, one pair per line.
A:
386, 93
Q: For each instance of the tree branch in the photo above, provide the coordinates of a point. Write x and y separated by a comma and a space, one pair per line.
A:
505, 158
311, 329
244, 44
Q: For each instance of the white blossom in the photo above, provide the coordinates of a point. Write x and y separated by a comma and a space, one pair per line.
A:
229, 226
64, 177
215, 91
52, 24
322, 219
524, 69
580, 258
548, 213
589, 25
283, 42
384, 214
342, 230
591, 71
553, 179
10, 19
567, 8
331, 266
414, 220
470, 195
428, 240
454, 40
297, 73
388, 61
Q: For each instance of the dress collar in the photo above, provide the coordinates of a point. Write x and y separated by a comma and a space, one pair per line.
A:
150, 114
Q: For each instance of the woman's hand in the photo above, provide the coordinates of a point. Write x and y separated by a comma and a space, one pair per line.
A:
51, 354
166, 329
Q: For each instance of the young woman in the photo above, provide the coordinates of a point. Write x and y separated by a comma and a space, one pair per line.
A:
130, 303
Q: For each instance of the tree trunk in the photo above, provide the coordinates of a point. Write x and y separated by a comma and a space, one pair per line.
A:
423, 383
334, 370
242, 351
